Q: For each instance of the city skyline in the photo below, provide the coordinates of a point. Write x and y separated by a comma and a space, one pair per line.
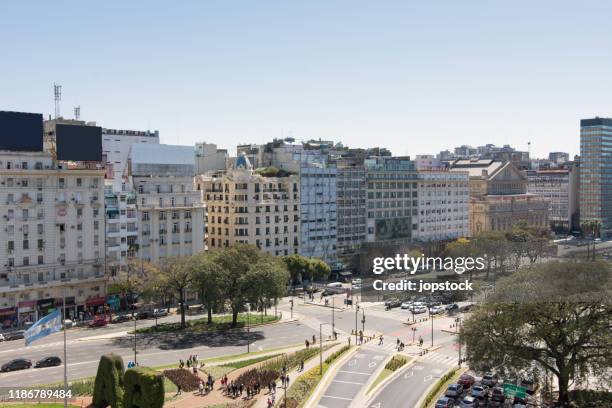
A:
232, 75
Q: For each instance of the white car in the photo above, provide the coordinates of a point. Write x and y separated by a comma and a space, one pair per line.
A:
1, 337
406, 305
419, 309
356, 281
437, 309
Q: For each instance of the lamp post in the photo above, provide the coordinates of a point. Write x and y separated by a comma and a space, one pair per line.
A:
432, 326
320, 348
414, 329
363, 320
333, 316
457, 325
248, 329
356, 315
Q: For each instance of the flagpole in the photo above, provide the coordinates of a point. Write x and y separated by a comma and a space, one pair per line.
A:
65, 362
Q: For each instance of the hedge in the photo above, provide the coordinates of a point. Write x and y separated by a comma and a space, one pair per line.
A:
436, 389
396, 362
108, 386
144, 388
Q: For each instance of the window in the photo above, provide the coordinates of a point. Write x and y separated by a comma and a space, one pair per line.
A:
26, 244
79, 182
40, 260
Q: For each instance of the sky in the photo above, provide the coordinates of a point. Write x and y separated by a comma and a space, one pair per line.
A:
414, 76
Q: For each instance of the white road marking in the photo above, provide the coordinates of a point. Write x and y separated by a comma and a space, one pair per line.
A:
354, 372
348, 382
334, 397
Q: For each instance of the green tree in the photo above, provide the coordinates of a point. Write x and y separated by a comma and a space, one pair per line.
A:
144, 387
318, 269
207, 279
298, 267
557, 315
266, 281
176, 276
108, 385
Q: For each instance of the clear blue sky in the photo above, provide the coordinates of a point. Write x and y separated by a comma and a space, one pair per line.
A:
415, 76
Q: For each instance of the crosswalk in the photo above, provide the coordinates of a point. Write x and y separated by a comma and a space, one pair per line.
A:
441, 359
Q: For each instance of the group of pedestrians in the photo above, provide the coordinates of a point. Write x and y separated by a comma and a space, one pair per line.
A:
235, 390
192, 361
205, 388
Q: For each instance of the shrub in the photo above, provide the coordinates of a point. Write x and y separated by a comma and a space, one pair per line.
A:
144, 388
336, 354
436, 389
108, 386
396, 362
185, 379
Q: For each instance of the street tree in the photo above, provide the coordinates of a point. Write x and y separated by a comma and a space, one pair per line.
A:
176, 275
298, 267
555, 315
266, 281
318, 269
207, 280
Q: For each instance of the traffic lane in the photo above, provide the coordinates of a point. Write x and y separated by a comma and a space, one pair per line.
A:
351, 378
83, 356
345, 319
409, 386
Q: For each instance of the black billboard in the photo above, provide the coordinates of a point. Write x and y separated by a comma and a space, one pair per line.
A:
78, 143
20, 131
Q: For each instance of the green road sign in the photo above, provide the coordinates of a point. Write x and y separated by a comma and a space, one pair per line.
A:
512, 390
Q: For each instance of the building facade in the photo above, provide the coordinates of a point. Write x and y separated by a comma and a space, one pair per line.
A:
246, 207
351, 207
443, 205
53, 240
596, 174
209, 158
559, 187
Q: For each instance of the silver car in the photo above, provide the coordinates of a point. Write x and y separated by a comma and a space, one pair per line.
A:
469, 402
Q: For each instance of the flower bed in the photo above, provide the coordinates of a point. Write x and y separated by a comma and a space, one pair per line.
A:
185, 379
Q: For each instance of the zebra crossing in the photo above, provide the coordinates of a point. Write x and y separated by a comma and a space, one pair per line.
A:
441, 359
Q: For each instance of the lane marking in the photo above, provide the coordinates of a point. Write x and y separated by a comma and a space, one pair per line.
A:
348, 382
354, 372
334, 397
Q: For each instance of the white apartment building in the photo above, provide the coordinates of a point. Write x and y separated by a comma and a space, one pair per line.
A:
121, 229
52, 242
209, 158
443, 205
246, 207
559, 187
170, 210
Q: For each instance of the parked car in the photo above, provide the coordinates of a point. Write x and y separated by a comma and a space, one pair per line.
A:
437, 310
16, 364
490, 380
478, 391
454, 391
445, 402
160, 312
497, 394
406, 305
452, 306
98, 323
144, 314
19, 334
356, 281
466, 380
334, 285
1, 337
392, 303
121, 318
48, 362
469, 402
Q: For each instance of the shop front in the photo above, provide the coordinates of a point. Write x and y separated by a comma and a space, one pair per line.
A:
95, 306
27, 312
113, 302
71, 309
8, 317
45, 306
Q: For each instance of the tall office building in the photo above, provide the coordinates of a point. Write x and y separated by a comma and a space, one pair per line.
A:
596, 174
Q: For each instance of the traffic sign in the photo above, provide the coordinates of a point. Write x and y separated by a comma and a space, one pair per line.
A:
512, 390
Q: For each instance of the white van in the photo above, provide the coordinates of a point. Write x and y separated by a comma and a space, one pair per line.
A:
334, 285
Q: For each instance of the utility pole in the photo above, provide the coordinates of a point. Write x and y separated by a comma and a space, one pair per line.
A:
363, 320
457, 325
321, 347
333, 316
356, 315
248, 330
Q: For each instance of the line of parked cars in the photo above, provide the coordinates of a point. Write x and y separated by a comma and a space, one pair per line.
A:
15, 335
24, 363
486, 393
418, 307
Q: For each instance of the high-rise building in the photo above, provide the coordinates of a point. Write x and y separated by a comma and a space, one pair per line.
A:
170, 209
596, 174
209, 158
251, 207
558, 157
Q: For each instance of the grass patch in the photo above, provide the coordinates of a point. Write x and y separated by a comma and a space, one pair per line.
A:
243, 363
299, 393
219, 323
396, 362
383, 374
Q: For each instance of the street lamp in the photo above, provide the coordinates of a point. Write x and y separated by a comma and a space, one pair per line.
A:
414, 329
333, 317
457, 325
320, 348
248, 329
356, 315
363, 320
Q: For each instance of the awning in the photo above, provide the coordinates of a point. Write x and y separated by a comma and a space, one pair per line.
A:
27, 303
97, 301
44, 304
7, 311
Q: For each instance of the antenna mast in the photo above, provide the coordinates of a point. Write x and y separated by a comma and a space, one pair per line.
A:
77, 112
57, 96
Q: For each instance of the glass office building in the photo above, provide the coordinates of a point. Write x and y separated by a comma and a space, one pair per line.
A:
596, 175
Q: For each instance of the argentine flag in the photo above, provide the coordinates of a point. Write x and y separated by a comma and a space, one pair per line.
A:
51, 323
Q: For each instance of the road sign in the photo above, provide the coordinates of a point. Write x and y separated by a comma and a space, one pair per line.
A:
512, 390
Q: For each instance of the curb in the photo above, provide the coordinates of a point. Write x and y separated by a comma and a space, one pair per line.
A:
419, 403
331, 372
371, 393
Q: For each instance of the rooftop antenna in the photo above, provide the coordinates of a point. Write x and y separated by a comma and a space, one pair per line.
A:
77, 112
57, 96
529, 148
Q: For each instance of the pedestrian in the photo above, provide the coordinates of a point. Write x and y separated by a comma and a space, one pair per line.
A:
274, 386
241, 388
302, 365
286, 381
314, 339
188, 363
420, 341
178, 390
380, 340
201, 387
307, 344
269, 403
349, 341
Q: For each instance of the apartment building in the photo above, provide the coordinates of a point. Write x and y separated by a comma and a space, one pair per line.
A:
209, 158
170, 209
351, 206
596, 175
244, 206
560, 188
52, 243
499, 197
443, 205
392, 201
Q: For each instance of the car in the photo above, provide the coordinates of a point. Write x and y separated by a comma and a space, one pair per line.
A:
445, 402
334, 285
466, 380
98, 323
16, 364
469, 402
356, 281
436, 310
419, 309
497, 394
48, 362
478, 391
328, 292
406, 305
160, 312
452, 306
490, 380
1, 337
16, 335
454, 391
356, 287
391, 303
68, 323
121, 318
144, 314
